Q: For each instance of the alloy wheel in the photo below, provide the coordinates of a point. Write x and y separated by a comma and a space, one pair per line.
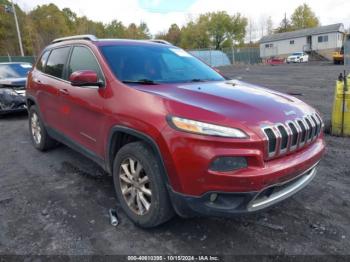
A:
36, 129
135, 186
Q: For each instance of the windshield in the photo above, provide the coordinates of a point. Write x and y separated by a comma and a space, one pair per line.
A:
298, 54
157, 64
14, 70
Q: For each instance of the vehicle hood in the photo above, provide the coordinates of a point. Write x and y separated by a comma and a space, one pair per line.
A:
13, 82
234, 100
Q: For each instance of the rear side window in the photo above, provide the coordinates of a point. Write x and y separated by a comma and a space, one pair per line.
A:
83, 59
41, 64
56, 61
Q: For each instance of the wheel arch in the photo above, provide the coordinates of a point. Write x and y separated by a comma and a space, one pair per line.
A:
30, 100
120, 136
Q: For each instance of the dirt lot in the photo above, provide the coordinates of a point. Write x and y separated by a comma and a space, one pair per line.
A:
57, 202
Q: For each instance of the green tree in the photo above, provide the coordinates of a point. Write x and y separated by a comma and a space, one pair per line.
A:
48, 22
138, 32
115, 29
194, 35
71, 18
8, 33
173, 35
285, 26
144, 31
223, 27
304, 17
85, 26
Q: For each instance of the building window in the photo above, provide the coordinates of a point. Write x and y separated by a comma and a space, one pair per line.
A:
291, 42
323, 38
268, 45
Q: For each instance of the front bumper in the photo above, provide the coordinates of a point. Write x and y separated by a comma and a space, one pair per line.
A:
20, 109
229, 204
12, 101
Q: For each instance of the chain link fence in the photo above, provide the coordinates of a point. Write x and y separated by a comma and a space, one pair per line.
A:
215, 58
228, 56
28, 59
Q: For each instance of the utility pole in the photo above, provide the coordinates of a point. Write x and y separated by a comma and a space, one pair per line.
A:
17, 27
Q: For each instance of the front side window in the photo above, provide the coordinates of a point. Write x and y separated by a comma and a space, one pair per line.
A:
56, 61
160, 64
83, 59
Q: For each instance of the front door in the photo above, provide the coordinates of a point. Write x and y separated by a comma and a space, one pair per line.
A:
309, 43
84, 104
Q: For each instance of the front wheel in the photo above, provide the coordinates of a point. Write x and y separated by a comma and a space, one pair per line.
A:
140, 187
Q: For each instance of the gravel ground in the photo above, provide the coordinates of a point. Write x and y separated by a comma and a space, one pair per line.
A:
57, 202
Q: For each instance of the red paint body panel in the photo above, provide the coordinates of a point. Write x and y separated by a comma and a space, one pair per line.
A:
87, 115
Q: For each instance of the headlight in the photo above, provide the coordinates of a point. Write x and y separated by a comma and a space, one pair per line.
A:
197, 127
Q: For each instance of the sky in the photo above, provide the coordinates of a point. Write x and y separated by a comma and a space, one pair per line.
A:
160, 14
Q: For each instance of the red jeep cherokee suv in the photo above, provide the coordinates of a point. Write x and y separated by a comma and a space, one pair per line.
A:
175, 134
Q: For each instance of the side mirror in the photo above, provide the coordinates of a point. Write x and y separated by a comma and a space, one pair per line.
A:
85, 78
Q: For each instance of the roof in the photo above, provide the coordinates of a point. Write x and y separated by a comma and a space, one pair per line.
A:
304, 32
95, 39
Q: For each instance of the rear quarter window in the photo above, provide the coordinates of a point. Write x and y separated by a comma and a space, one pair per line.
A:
42, 62
56, 62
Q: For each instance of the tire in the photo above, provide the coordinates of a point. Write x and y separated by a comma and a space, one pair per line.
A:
146, 168
38, 134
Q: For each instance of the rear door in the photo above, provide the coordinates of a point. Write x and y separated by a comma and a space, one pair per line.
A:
51, 83
84, 123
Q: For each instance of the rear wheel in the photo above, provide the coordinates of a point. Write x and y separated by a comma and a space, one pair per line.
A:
39, 136
140, 186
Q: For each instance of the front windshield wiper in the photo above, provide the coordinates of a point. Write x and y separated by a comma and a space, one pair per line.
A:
140, 81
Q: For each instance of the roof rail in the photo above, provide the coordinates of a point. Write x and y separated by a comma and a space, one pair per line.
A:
75, 37
160, 41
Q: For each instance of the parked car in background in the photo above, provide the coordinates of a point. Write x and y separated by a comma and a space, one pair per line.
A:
275, 61
299, 57
176, 136
13, 77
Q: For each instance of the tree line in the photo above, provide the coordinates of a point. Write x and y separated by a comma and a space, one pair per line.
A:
211, 30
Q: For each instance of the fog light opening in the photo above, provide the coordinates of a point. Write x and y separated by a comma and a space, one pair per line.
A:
228, 163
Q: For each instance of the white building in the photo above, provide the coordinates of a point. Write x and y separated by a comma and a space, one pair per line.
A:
323, 40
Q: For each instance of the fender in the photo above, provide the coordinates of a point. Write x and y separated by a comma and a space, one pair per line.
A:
149, 140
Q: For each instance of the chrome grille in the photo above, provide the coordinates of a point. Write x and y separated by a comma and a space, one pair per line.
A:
284, 138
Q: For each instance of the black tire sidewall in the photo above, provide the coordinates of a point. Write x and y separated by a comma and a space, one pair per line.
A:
159, 200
